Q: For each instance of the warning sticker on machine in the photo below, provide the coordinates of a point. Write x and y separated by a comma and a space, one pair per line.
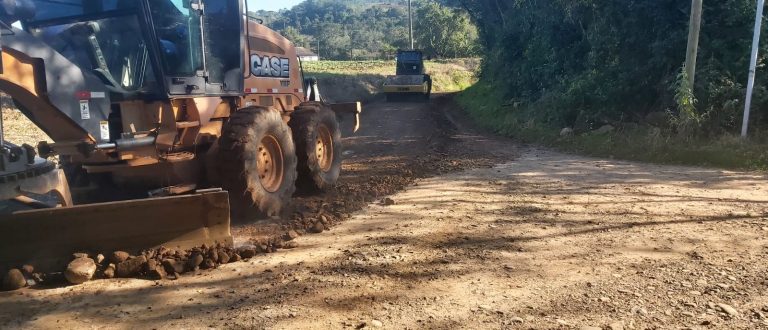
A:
85, 110
104, 128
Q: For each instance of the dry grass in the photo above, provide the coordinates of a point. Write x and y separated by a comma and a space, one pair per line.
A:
387, 67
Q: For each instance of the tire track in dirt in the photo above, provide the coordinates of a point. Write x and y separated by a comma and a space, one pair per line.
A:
398, 143
548, 241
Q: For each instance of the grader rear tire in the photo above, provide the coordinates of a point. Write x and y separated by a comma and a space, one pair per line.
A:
318, 146
256, 161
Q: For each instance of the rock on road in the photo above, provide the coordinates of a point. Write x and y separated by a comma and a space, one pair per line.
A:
540, 240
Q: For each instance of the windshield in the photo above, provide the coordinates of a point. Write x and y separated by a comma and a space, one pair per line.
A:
56, 9
107, 38
110, 44
409, 56
112, 48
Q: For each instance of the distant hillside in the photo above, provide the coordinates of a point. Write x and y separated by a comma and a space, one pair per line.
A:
362, 29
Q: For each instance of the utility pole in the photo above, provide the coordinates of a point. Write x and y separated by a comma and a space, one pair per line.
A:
410, 24
693, 41
752, 66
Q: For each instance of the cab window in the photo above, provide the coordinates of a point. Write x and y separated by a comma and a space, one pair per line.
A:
178, 32
223, 51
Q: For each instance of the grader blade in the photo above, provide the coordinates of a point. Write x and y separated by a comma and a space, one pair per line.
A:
46, 239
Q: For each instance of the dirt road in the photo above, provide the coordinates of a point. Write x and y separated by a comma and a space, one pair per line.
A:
539, 240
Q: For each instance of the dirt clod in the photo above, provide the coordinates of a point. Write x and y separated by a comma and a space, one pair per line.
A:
213, 255
80, 270
109, 272
13, 280
223, 257
248, 253
317, 228
173, 266
290, 245
616, 325
208, 264
291, 235
131, 267
728, 309
118, 257
155, 270
149, 254
195, 261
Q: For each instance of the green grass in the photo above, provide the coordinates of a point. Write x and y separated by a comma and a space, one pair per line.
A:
343, 81
485, 104
348, 67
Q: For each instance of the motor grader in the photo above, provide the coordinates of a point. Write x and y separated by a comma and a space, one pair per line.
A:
167, 116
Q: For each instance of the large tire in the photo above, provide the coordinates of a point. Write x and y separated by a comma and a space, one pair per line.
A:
318, 146
256, 161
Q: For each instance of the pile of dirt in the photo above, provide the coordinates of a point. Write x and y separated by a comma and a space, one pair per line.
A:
153, 264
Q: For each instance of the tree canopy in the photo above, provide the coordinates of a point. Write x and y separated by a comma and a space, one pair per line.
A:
586, 61
368, 29
444, 31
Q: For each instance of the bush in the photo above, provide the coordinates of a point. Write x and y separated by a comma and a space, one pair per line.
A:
587, 63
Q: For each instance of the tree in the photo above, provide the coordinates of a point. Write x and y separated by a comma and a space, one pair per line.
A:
445, 32
296, 37
591, 62
362, 29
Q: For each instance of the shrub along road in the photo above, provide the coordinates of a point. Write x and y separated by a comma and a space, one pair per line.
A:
537, 240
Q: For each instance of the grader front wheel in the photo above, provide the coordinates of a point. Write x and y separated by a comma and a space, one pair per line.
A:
257, 161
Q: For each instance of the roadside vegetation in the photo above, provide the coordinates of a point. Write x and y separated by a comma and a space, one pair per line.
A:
604, 78
344, 81
485, 103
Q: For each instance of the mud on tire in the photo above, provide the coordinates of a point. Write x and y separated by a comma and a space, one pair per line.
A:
318, 146
256, 161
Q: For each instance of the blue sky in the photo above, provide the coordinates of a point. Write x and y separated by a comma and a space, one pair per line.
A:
272, 4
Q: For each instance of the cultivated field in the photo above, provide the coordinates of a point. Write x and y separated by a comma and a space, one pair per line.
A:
344, 81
